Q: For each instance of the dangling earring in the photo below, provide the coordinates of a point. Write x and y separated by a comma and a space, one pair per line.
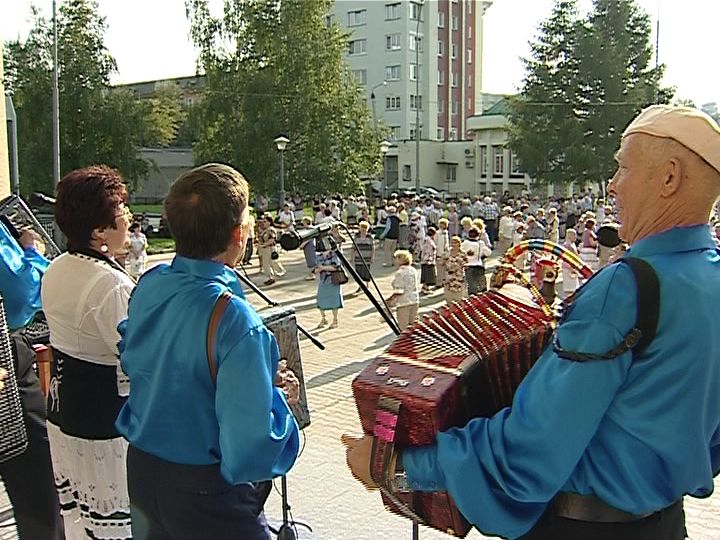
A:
104, 247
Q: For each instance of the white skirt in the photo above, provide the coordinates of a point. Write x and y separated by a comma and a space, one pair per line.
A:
91, 480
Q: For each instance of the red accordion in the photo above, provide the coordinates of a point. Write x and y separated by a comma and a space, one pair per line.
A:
460, 362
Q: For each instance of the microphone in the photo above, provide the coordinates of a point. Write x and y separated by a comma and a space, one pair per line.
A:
608, 235
292, 239
40, 199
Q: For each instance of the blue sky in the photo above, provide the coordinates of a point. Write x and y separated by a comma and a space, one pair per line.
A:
149, 39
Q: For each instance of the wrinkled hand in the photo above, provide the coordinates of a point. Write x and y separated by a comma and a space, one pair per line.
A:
358, 452
3, 374
288, 382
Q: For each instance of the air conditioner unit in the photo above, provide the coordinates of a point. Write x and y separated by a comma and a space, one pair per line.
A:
469, 151
470, 164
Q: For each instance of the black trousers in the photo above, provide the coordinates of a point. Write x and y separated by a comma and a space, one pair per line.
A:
169, 501
30, 485
248, 251
667, 524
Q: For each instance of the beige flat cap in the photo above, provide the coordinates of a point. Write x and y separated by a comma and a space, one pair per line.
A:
692, 128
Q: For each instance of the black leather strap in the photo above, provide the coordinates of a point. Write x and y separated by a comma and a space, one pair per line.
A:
648, 312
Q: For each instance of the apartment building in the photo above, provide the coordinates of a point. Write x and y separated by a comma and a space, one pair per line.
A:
420, 62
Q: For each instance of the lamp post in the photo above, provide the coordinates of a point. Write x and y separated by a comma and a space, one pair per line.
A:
281, 142
372, 101
384, 147
55, 102
417, 97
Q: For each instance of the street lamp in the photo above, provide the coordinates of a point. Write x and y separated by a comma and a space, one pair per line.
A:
384, 147
372, 101
417, 97
281, 142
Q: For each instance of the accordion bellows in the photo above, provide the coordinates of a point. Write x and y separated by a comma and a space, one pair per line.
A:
460, 362
13, 435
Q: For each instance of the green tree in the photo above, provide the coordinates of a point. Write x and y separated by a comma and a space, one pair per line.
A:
543, 117
587, 78
97, 124
278, 67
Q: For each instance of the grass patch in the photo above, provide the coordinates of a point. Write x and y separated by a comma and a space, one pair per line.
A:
146, 208
160, 245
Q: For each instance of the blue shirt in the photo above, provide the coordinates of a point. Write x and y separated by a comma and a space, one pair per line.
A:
20, 274
174, 411
638, 433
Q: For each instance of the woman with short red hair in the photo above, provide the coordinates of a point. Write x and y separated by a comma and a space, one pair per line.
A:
85, 294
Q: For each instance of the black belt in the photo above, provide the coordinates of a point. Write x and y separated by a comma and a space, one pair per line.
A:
590, 508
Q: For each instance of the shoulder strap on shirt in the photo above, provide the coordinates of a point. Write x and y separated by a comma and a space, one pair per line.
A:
648, 301
219, 308
648, 312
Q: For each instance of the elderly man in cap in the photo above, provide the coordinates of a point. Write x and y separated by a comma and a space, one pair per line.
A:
605, 438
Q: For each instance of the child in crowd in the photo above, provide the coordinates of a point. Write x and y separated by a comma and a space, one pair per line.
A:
476, 251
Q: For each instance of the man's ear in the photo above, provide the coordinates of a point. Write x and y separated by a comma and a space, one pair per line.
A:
671, 177
239, 234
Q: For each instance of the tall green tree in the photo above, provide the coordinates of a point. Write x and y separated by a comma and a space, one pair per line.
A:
543, 117
278, 68
586, 79
97, 124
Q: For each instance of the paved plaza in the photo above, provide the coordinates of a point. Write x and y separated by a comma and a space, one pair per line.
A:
321, 490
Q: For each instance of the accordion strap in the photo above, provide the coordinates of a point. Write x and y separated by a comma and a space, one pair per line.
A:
648, 313
219, 308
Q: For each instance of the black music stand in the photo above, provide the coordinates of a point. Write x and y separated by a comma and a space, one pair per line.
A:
287, 530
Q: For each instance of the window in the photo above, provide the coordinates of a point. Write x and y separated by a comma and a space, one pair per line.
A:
441, 20
453, 48
498, 160
441, 77
470, 5
514, 164
470, 104
441, 46
357, 17
454, 108
454, 80
394, 133
415, 11
413, 72
451, 173
392, 42
441, 106
329, 20
469, 56
470, 78
392, 11
440, 132
392, 103
407, 173
415, 101
392, 73
360, 76
412, 134
483, 161
453, 134
357, 46
454, 22
413, 38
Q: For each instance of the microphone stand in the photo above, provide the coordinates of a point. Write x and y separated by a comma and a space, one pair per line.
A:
351, 270
270, 302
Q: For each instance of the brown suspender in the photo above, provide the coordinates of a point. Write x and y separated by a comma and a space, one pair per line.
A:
221, 305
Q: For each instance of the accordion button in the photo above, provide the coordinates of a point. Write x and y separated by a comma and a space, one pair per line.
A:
382, 370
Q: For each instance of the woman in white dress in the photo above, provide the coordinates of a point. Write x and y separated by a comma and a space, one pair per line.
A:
85, 295
137, 251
